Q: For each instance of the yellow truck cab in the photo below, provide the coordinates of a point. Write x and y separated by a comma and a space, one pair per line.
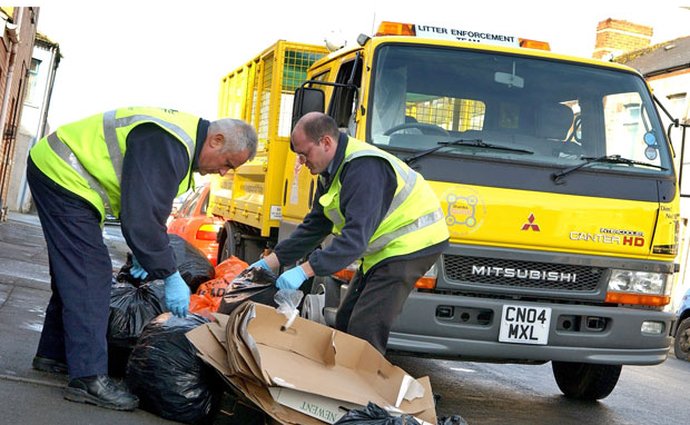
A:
556, 179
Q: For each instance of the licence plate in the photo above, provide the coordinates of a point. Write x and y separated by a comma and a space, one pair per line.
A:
525, 325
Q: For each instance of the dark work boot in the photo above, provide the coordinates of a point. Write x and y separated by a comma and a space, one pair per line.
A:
101, 391
45, 364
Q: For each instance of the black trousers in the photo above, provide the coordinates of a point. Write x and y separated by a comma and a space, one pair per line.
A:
76, 321
374, 300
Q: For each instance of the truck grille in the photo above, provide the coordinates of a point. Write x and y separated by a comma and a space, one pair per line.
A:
521, 274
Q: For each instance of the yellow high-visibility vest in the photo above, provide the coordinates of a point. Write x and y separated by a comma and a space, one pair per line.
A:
414, 219
85, 157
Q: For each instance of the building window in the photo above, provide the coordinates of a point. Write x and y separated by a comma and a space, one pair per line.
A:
33, 96
678, 104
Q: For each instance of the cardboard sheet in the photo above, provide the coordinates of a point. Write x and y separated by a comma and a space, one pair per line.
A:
304, 374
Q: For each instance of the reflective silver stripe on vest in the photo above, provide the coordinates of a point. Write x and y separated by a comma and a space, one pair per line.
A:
110, 124
112, 143
66, 154
399, 198
133, 119
334, 216
421, 222
409, 177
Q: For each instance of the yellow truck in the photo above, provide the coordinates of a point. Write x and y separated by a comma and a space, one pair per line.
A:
556, 177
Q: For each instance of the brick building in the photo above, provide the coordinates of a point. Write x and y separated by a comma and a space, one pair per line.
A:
615, 37
18, 26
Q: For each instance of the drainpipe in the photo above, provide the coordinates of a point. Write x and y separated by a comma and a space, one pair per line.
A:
23, 200
14, 41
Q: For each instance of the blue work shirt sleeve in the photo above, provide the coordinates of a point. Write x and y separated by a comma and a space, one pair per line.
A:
153, 167
367, 188
315, 227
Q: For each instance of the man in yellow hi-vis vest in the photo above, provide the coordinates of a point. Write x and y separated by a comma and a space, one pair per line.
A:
381, 211
128, 163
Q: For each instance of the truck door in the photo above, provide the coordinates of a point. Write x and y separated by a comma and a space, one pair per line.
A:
344, 100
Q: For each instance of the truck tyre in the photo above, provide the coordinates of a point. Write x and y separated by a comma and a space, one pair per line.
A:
314, 301
228, 246
681, 344
585, 381
246, 247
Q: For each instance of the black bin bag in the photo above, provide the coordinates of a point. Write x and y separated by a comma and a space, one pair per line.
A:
192, 264
373, 414
123, 275
451, 420
131, 308
168, 377
254, 284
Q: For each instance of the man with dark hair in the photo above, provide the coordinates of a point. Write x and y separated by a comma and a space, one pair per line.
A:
131, 163
382, 213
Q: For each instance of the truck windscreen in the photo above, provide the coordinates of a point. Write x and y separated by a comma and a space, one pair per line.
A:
562, 112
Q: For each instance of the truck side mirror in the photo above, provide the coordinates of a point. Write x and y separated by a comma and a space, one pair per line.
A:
307, 99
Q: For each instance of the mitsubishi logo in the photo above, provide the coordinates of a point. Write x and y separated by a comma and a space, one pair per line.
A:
530, 224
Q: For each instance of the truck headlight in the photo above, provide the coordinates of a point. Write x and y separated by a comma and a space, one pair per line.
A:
639, 288
636, 282
428, 281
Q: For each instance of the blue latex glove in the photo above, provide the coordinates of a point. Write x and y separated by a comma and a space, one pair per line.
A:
261, 263
291, 279
137, 271
177, 294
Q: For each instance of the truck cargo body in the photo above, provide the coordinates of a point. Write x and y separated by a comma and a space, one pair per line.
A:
251, 198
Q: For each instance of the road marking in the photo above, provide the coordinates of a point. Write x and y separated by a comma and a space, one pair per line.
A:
23, 379
462, 369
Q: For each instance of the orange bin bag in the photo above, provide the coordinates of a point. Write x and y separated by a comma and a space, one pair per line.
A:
230, 268
214, 287
204, 305
209, 294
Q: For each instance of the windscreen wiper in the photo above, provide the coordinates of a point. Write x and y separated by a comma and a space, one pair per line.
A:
611, 159
479, 143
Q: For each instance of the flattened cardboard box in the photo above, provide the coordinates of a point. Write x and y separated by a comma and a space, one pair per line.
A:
211, 351
315, 359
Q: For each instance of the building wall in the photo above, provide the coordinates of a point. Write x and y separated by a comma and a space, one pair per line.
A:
18, 28
674, 90
33, 126
615, 37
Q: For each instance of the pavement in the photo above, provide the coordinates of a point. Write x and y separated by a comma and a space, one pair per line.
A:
28, 396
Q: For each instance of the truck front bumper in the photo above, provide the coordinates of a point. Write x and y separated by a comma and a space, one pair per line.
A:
463, 327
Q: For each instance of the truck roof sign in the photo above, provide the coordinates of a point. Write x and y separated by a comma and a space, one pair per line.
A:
459, 34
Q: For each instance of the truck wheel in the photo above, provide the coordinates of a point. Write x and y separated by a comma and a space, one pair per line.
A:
585, 381
331, 289
681, 344
229, 245
314, 300
245, 247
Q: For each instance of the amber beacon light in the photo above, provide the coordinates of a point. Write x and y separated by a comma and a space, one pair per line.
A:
395, 28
